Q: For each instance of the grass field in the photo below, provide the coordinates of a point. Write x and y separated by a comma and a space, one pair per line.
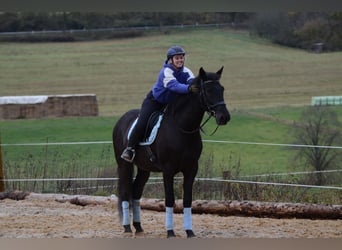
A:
265, 84
99, 129
120, 72
243, 127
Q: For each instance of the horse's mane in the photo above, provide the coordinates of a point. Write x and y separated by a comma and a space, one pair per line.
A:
183, 101
188, 101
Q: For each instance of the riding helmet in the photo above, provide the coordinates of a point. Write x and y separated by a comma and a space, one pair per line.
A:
175, 50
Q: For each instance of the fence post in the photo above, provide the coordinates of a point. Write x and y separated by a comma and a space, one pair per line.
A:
226, 186
2, 183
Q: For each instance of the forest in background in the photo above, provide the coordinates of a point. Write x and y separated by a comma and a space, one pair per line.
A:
318, 31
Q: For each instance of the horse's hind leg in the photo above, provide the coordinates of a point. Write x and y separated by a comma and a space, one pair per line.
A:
125, 172
126, 217
138, 187
169, 203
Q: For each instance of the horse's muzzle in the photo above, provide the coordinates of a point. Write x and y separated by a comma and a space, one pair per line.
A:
222, 115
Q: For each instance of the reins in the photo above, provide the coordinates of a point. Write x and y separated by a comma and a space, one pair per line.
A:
208, 108
200, 128
210, 115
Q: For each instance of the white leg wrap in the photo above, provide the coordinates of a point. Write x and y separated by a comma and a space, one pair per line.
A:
125, 213
169, 218
187, 218
136, 210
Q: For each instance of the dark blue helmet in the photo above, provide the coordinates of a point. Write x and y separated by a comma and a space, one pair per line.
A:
175, 50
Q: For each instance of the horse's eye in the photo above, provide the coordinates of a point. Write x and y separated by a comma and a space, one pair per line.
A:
210, 89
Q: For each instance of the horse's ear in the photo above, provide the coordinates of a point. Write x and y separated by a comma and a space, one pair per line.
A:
219, 72
202, 74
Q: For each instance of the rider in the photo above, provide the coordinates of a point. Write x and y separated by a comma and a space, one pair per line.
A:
174, 78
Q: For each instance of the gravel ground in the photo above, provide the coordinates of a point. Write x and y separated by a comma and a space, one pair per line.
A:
41, 218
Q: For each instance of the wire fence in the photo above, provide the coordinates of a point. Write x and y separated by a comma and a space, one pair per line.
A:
210, 141
217, 179
90, 177
116, 29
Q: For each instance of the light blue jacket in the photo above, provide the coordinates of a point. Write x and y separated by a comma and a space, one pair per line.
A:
171, 82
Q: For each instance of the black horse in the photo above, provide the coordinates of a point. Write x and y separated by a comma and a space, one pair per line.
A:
177, 148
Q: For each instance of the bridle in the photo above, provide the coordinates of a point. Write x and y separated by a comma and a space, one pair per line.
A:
204, 99
209, 108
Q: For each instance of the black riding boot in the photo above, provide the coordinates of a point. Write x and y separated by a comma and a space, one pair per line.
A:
148, 106
129, 153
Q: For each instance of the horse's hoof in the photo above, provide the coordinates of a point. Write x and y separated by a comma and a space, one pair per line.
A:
138, 227
190, 233
170, 234
127, 229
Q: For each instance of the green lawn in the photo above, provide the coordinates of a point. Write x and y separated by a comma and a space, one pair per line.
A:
265, 85
253, 159
120, 72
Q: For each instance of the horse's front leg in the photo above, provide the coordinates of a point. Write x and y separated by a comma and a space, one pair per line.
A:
188, 182
138, 187
169, 203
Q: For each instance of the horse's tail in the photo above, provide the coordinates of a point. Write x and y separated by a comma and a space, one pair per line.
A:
124, 169
120, 208
125, 186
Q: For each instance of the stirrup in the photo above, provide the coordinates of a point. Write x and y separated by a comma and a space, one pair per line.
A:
128, 154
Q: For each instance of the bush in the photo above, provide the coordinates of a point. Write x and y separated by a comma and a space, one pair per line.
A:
313, 32
300, 30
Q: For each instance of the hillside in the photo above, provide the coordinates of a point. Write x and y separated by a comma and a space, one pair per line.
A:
120, 72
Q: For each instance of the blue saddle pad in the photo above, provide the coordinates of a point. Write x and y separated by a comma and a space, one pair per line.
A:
150, 139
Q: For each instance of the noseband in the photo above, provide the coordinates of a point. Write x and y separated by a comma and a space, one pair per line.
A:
204, 99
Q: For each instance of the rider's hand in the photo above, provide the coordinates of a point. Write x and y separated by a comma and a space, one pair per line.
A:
193, 89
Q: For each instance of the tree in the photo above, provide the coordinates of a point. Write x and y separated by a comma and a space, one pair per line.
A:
318, 126
301, 29
9, 22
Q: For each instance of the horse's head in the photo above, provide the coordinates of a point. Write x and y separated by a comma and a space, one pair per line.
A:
211, 93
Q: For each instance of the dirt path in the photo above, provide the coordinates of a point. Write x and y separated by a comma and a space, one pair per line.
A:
51, 219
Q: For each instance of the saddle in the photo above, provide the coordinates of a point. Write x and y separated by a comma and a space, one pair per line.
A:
152, 127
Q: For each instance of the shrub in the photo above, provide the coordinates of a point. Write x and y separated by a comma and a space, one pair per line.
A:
313, 31
300, 30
